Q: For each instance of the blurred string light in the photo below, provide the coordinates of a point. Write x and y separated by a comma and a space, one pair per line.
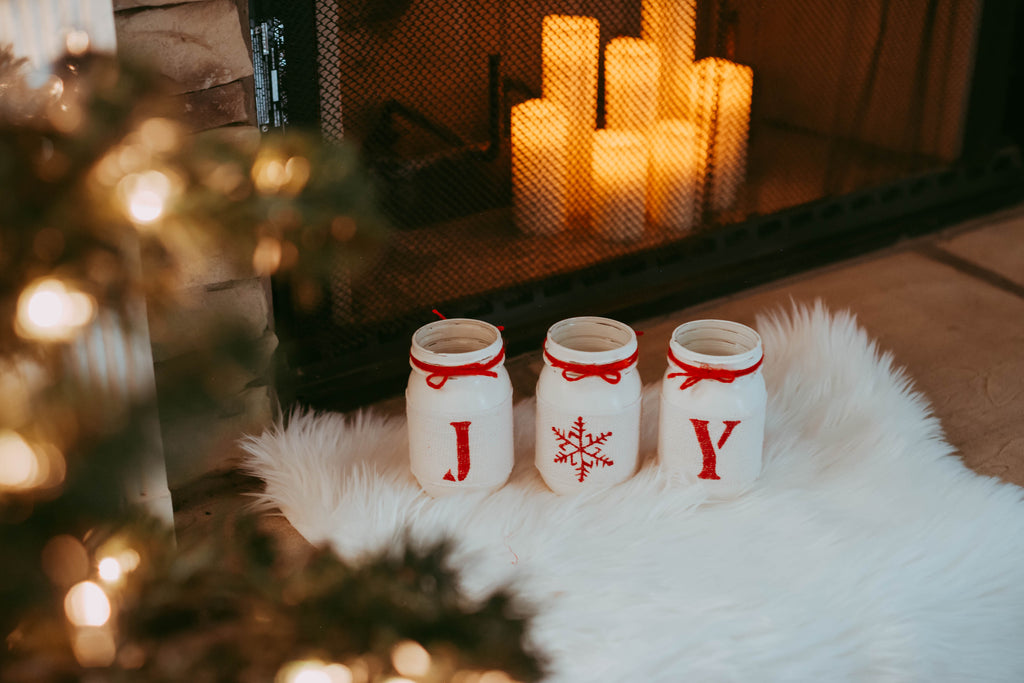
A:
274, 174
145, 195
266, 258
112, 568
49, 310
314, 671
410, 658
24, 466
87, 605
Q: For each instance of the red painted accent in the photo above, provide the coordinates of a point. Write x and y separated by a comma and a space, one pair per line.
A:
700, 427
439, 374
697, 373
609, 372
571, 444
462, 449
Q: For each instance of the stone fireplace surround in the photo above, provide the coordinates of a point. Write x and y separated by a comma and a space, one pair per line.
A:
202, 48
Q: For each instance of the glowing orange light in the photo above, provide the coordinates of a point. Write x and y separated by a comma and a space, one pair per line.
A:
410, 658
145, 195
48, 310
314, 671
87, 605
77, 42
19, 463
110, 569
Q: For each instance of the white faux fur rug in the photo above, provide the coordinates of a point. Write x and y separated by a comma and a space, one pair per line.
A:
866, 551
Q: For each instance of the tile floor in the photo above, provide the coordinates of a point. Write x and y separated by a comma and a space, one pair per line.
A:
949, 307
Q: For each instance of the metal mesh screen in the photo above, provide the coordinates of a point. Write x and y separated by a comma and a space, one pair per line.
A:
516, 140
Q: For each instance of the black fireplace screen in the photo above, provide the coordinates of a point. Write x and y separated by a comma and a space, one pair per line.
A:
526, 148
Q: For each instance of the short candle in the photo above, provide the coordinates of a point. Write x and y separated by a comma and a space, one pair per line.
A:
620, 184
678, 156
725, 93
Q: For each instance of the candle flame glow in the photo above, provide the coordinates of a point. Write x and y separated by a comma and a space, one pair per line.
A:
19, 463
410, 658
110, 569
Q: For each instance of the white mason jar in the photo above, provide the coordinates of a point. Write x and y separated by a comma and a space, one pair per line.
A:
459, 407
712, 406
588, 405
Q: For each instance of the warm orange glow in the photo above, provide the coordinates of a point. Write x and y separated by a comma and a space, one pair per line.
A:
678, 155
725, 91
540, 170
48, 310
77, 42
671, 26
94, 647
273, 174
160, 135
145, 195
87, 605
570, 51
266, 258
631, 68
410, 658
19, 463
314, 671
110, 569
65, 560
620, 184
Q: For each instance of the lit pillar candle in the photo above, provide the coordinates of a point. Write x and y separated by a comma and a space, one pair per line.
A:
725, 91
539, 166
570, 55
678, 155
631, 84
671, 26
620, 184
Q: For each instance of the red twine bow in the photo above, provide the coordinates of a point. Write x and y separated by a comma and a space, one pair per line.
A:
438, 375
609, 372
697, 373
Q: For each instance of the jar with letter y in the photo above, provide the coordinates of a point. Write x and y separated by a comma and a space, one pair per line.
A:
459, 407
711, 427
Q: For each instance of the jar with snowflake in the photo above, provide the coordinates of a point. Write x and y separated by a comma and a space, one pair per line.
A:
588, 405
459, 408
711, 427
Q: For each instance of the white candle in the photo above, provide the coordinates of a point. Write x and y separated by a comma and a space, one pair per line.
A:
678, 155
671, 26
725, 91
570, 56
539, 166
631, 84
620, 184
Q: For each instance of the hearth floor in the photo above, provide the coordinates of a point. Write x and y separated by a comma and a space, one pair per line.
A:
949, 307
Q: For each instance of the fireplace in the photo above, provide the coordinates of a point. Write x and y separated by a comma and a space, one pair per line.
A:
737, 141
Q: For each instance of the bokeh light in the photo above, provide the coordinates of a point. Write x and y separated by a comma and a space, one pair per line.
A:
145, 195
48, 310
410, 658
94, 647
19, 462
65, 560
110, 569
87, 605
266, 258
77, 42
274, 174
314, 671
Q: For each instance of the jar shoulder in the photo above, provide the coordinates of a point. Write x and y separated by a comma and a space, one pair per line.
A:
595, 392
458, 393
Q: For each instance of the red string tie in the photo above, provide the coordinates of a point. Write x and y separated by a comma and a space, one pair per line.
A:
438, 375
609, 372
698, 373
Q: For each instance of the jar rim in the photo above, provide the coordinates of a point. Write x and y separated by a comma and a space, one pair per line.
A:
716, 343
590, 340
456, 341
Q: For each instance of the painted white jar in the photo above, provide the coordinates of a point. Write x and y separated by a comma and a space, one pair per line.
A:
588, 405
459, 408
711, 427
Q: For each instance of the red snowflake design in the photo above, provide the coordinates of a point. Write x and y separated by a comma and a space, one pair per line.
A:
584, 444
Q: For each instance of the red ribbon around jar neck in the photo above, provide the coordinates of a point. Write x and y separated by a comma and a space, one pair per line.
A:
438, 375
698, 373
609, 372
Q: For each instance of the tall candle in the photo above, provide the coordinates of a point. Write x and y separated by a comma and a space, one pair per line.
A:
570, 55
725, 92
540, 166
620, 184
678, 155
631, 84
671, 26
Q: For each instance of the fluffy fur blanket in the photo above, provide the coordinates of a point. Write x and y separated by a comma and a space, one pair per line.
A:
866, 551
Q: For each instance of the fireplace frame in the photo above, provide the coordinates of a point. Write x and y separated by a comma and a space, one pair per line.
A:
712, 262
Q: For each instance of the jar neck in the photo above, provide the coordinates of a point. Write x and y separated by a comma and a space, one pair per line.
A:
720, 344
456, 341
590, 340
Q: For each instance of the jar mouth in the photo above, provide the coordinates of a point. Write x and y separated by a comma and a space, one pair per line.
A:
591, 340
716, 342
456, 341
